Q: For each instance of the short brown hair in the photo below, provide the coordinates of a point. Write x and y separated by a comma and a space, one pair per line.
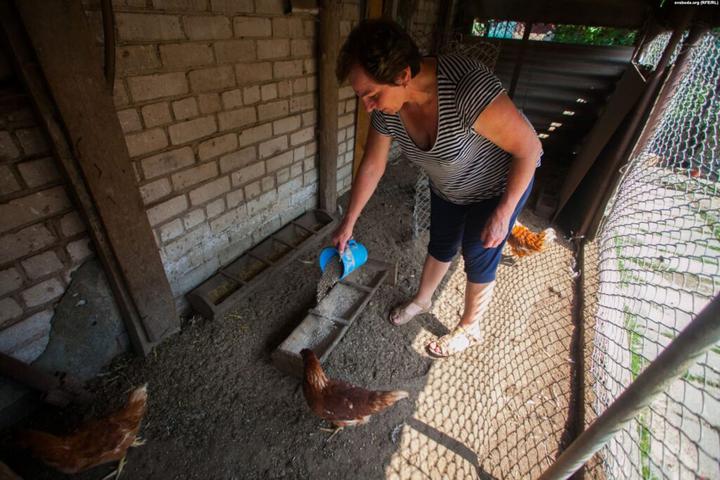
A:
382, 48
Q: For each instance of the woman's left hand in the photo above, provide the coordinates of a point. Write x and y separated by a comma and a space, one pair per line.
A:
496, 228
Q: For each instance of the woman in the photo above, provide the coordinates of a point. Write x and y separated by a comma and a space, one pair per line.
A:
453, 118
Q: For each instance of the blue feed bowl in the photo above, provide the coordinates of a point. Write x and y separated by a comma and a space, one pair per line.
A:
354, 256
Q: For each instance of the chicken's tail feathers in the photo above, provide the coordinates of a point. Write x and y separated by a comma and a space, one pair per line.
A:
386, 399
139, 394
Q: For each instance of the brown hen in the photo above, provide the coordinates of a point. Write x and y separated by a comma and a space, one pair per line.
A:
523, 241
342, 404
92, 443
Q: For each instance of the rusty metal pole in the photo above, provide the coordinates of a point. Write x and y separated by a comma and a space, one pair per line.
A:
620, 155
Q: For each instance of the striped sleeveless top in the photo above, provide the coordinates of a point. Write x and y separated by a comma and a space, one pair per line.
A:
463, 167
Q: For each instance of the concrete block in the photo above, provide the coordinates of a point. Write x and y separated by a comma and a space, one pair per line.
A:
275, 7
279, 161
144, 26
273, 147
346, 92
209, 103
129, 120
217, 146
228, 219
290, 27
79, 250
301, 48
309, 118
134, 59
248, 174
267, 184
150, 87
232, 99
215, 208
28, 240
42, 264
32, 208
32, 141
282, 175
167, 162
235, 119
252, 27
250, 73
296, 169
271, 110
309, 28
212, 79
275, 48
302, 103
192, 176
213, 27
235, 51
192, 130
286, 125
288, 68
303, 136
153, 191
10, 280
233, 199
146, 142
26, 339
120, 95
39, 172
232, 6
193, 218
9, 311
287, 189
237, 159
252, 190
171, 230
42, 293
310, 66
156, 114
284, 88
346, 120
261, 203
251, 95
180, 56
299, 85
253, 135
166, 210
192, 5
268, 92
185, 108
8, 149
210, 190
299, 153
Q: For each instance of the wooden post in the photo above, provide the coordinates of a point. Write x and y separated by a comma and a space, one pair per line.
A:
362, 119
328, 89
90, 147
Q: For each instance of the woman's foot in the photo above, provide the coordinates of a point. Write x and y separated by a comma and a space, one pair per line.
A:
403, 314
459, 340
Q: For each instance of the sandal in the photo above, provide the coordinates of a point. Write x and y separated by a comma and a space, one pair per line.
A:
453, 343
402, 315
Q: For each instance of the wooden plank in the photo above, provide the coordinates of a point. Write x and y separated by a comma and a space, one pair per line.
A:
64, 47
362, 118
329, 39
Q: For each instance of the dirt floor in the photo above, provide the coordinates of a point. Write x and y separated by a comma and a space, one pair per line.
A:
218, 409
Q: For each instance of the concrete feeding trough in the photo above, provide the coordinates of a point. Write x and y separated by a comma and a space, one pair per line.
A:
232, 283
326, 324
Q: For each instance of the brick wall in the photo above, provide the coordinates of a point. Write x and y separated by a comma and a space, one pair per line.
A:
218, 103
42, 238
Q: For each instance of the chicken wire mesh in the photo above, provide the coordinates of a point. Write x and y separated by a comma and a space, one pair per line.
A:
654, 265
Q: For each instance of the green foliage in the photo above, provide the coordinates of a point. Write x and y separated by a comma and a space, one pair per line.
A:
594, 35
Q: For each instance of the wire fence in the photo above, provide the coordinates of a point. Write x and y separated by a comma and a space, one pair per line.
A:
654, 266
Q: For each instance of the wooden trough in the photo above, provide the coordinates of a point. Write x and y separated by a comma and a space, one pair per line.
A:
326, 324
232, 283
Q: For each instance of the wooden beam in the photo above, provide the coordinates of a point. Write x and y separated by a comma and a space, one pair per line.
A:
374, 9
329, 43
91, 147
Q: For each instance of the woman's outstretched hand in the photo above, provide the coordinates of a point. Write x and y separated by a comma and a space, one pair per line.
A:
496, 229
342, 235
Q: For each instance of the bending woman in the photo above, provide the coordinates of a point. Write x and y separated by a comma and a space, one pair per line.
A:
452, 118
